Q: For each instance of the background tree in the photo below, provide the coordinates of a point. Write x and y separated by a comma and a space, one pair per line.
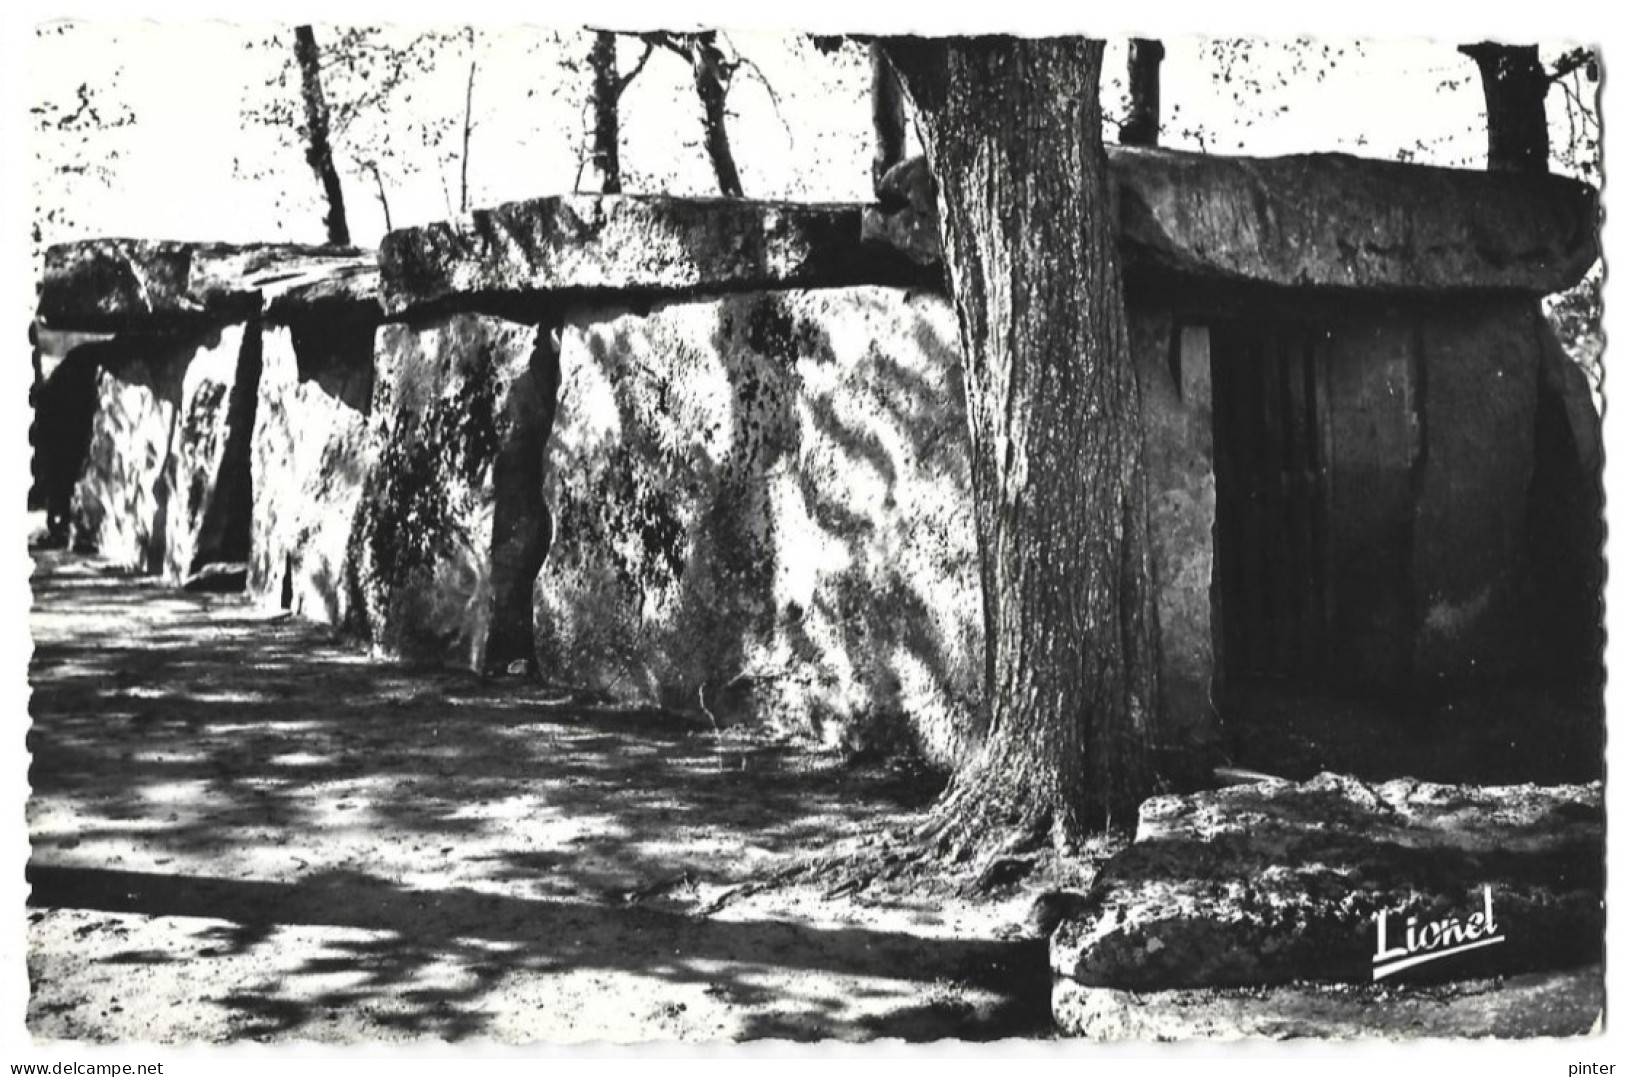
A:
318, 150
378, 85
1012, 132
468, 123
603, 160
713, 71
1515, 85
1143, 124
1515, 101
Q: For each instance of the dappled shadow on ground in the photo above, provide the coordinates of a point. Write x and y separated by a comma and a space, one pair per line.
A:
492, 937
427, 847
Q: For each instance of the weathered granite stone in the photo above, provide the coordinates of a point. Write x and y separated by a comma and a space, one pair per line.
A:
452, 526
64, 410
764, 499
906, 217
112, 284
1316, 220
1471, 486
1566, 529
165, 476
1564, 1003
1177, 404
1276, 882
310, 460
1375, 437
1331, 220
52, 347
628, 244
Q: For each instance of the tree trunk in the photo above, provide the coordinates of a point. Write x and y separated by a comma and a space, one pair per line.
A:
711, 76
604, 155
886, 100
383, 195
318, 151
1011, 128
1515, 85
1143, 124
468, 130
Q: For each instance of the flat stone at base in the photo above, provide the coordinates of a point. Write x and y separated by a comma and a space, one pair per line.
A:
1280, 881
1568, 1003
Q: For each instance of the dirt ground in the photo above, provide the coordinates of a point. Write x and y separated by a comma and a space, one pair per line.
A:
244, 830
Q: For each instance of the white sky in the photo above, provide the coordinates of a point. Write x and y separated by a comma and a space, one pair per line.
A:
182, 166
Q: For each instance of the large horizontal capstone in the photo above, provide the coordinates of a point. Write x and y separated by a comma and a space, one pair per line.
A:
630, 244
1325, 221
108, 285
1331, 220
1322, 220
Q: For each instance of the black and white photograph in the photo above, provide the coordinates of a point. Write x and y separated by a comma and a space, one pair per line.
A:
544, 532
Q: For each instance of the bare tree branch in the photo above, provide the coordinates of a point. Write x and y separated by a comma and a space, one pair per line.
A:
622, 83
772, 95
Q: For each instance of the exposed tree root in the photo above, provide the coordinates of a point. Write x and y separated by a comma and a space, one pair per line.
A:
972, 845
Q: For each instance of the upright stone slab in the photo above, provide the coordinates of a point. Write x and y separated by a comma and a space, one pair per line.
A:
452, 527
64, 398
1177, 403
161, 466
167, 484
311, 457
1374, 432
762, 506
1471, 559
1566, 526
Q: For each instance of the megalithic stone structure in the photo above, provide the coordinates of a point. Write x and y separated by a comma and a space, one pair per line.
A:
167, 484
709, 454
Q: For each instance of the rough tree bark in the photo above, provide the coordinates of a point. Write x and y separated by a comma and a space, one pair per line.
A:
1011, 128
886, 101
603, 161
318, 150
1143, 124
1515, 84
712, 73
604, 152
